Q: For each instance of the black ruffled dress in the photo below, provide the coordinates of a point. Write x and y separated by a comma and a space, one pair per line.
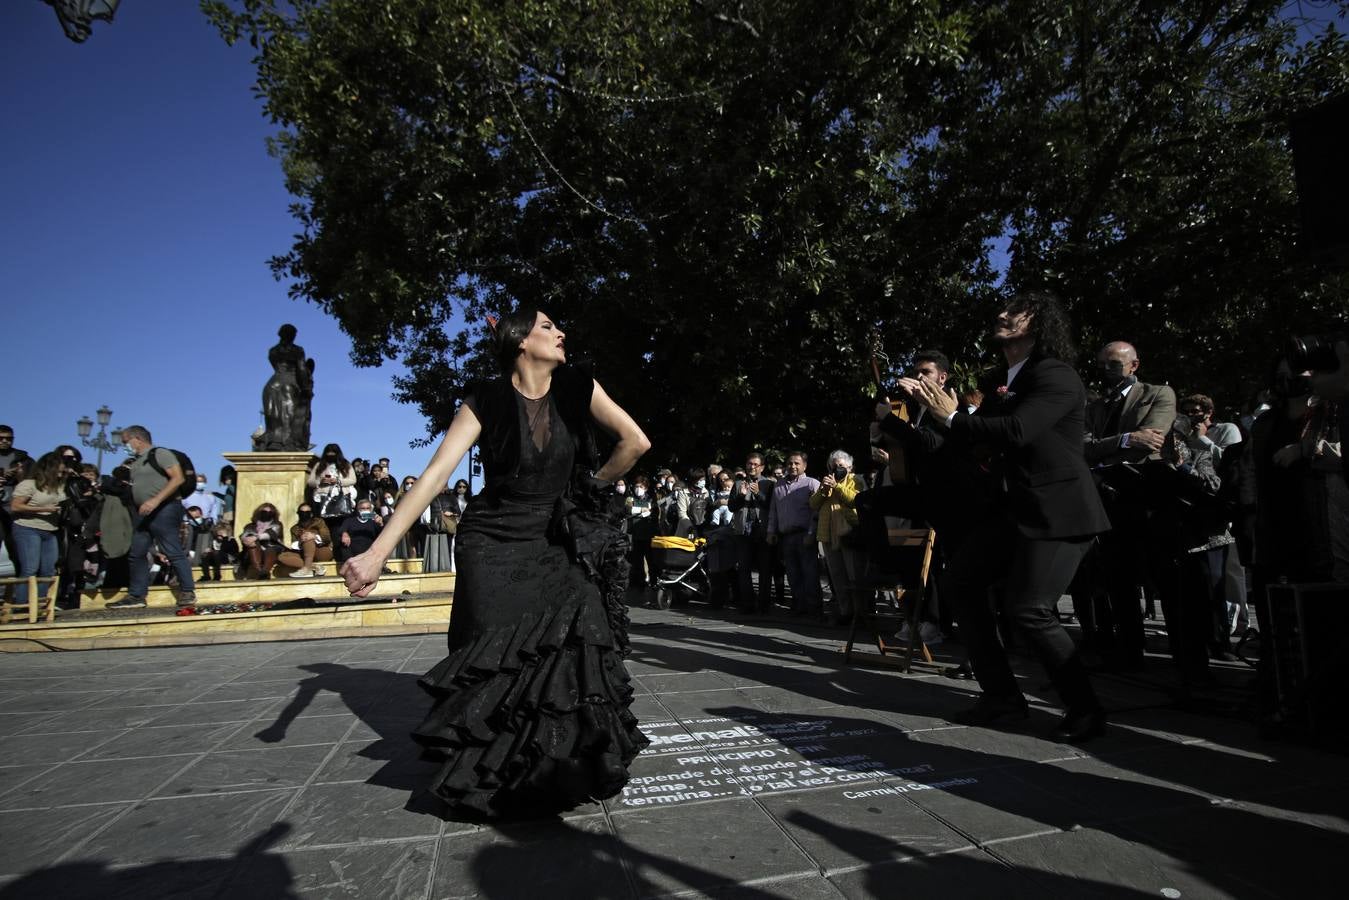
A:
531, 707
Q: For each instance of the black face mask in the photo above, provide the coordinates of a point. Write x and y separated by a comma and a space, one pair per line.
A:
264, 516
306, 515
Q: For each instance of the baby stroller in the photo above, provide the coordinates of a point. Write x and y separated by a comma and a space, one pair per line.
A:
685, 567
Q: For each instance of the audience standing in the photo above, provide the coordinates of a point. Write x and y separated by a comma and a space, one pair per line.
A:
155, 479
835, 506
791, 526
36, 507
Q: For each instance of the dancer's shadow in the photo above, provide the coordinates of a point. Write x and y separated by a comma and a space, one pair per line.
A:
263, 873
388, 703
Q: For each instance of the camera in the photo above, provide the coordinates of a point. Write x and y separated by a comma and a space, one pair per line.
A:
1314, 352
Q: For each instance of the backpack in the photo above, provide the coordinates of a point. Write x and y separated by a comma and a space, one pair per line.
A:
189, 485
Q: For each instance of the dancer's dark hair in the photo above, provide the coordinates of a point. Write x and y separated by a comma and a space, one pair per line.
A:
509, 332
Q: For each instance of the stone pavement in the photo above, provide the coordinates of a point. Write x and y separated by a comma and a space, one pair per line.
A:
280, 770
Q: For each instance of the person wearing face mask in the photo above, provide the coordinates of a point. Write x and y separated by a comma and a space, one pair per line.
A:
261, 540
1127, 424
441, 521
358, 531
204, 499
311, 544
332, 486
223, 551
413, 543
694, 501
642, 528
196, 532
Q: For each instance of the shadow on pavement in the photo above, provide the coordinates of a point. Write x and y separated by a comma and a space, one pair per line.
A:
390, 704
268, 874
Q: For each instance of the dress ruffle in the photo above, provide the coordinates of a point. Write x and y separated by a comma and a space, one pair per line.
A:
532, 717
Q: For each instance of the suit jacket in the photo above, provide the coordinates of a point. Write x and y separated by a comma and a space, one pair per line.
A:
949, 489
1037, 426
1145, 406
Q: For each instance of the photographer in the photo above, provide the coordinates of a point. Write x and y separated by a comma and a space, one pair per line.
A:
80, 504
1302, 505
13, 464
1191, 548
834, 505
751, 495
942, 490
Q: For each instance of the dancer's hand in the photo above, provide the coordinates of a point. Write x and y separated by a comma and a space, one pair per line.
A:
362, 572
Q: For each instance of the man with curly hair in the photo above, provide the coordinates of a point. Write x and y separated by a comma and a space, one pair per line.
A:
1046, 511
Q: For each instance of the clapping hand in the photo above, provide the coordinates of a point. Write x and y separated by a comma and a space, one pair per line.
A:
929, 394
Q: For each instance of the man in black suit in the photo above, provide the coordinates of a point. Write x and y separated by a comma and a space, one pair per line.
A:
1029, 433
1126, 426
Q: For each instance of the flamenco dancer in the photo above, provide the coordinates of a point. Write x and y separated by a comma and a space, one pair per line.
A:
530, 710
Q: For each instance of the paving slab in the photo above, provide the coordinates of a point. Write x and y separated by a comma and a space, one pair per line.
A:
774, 772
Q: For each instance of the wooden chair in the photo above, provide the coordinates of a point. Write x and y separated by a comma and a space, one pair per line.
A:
7, 607
916, 545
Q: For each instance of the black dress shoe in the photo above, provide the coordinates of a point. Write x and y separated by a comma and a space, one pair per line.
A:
987, 710
1076, 727
962, 672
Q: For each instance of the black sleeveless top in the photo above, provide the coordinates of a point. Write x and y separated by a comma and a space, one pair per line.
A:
529, 450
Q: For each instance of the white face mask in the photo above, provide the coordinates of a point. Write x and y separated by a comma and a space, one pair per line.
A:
700, 483
639, 491
201, 486
621, 488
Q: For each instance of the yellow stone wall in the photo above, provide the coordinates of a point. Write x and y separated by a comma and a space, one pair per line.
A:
276, 478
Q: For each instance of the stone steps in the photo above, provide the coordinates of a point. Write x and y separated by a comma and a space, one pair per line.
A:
152, 627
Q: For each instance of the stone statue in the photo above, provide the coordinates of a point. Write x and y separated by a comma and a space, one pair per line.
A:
287, 395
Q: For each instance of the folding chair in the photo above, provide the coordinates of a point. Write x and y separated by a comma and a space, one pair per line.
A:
914, 545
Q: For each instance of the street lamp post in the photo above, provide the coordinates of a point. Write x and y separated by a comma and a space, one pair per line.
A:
100, 441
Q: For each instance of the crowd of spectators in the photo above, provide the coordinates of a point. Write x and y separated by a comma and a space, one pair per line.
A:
1206, 512
65, 523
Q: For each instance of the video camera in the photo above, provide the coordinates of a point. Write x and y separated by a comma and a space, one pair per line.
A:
1314, 352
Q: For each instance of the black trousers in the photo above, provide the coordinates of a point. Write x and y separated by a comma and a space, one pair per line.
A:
1127, 554
753, 554
1034, 573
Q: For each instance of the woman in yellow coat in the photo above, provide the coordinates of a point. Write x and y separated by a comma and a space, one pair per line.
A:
836, 514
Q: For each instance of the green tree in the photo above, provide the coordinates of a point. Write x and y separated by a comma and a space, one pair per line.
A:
724, 200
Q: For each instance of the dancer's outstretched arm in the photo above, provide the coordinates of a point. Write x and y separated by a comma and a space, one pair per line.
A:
632, 442
361, 572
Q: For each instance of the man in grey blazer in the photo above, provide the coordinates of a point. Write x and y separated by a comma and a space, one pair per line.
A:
1125, 425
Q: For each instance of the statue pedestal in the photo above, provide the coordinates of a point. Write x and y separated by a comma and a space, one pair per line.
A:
277, 478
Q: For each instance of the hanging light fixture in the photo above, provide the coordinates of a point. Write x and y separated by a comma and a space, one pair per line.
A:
76, 16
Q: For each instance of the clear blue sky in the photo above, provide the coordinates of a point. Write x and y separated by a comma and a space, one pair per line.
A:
138, 208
